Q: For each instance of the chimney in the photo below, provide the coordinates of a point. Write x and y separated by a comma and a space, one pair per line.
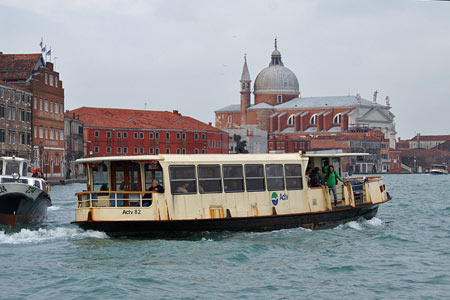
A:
210, 123
175, 112
78, 117
73, 116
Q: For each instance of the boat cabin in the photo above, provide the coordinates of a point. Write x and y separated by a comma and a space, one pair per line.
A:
16, 169
171, 187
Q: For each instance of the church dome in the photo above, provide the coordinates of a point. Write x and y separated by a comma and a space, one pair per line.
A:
276, 78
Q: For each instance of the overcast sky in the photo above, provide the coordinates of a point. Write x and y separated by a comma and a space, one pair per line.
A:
188, 55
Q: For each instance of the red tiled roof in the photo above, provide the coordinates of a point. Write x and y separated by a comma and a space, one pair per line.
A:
138, 119
432, 138
17, 66
14, 86
424, 152
327, 144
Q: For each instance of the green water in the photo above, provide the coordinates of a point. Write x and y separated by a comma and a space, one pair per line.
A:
403, 253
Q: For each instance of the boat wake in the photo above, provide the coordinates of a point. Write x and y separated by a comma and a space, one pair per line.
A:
362, 224
27, 236
54, 207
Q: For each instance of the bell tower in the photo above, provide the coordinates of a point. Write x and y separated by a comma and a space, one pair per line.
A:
245, 92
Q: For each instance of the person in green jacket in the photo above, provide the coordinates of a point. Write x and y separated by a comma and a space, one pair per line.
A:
331, 181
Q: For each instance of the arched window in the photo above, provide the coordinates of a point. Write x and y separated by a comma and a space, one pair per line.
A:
313, 119
337, 119
290, 120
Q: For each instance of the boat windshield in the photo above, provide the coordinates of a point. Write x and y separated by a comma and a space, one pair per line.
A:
439, 167
12, 167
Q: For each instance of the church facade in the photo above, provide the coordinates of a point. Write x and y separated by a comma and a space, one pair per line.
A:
278, 109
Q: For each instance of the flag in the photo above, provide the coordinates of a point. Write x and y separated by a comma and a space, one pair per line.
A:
49, 52
44, 49
41, 43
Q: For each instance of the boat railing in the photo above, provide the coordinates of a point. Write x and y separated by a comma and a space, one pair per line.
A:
115, 198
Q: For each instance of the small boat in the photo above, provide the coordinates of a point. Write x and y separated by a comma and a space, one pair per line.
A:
176, 195
23, 199
439, 170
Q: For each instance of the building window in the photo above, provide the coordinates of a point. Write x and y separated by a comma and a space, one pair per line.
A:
56, 81
108, 134
150, 135
178, 135
35, 102
290, 120
135, 135
96, 134
151, 151
119, 135
51, 79
40, 104
230, 119
203, 136
167, 136
178, 151
157, 135
96, 149
337, 119
125, 135
28, 139
136, 150
184, 136
157, 151
28, 116
51, 133
2, 135
184, 150
2, 111
51, 105
141, 135
22, 138
56, 159
280, 99
167, 150
45, 105
125, 150
196, 151
35, 131
203, 151
46, 78
119, 150
313, 120
108, 149
61, 134
142, 150
196, 136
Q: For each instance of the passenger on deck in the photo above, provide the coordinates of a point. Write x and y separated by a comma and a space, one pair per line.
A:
315, 179
308, 175
331, 179
156, 187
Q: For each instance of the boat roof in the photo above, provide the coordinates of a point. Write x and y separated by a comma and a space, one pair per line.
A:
215, 157
10, 158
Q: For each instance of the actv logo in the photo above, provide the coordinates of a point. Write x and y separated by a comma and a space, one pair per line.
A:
276, 197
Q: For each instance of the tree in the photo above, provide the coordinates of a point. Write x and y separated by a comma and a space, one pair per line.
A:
240, 145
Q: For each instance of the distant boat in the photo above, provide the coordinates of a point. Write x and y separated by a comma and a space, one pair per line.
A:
439, 170
23, 199
173, 195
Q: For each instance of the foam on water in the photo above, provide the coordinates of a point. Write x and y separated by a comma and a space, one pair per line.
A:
54, 207
27, 236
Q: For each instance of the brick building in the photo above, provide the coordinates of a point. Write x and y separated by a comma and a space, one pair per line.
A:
31, 73
110, 131
15, 121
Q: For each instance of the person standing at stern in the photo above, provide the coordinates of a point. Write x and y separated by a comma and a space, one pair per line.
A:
331, 181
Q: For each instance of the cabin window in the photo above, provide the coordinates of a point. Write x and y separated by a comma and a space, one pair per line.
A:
254, 178
233, 179
182, 180
153, 171
12, 167
275, 178
100, 178
293, 177
209, 180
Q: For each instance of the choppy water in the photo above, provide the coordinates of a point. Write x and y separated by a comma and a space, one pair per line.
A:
404, 253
